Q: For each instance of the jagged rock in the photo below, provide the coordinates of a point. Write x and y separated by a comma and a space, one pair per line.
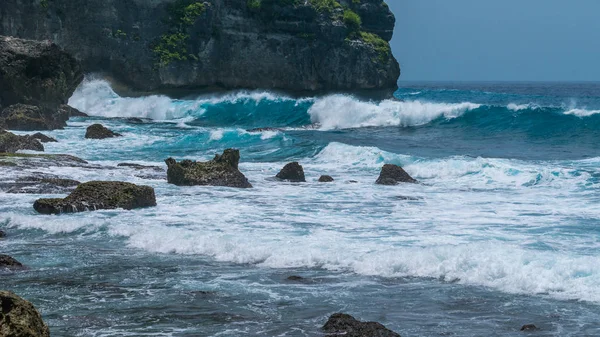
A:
345, 325
43, 138
98, 131
529, 327
9, 262
97, 195
11, 143
326, 179
66, 112
221, 171
19, 318
393, 175
292, 172
43, 185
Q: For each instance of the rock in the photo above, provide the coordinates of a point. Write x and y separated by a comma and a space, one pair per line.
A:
295, 278
35, 161
97, 195
347, 326
19, 318
11, 143
529, 327
393, 175
98, 131
43, 138
325, 179
8, 262
43, 185
221, 171
264, 130
25, 117
222, 44
140, 167
2, 234
292, 172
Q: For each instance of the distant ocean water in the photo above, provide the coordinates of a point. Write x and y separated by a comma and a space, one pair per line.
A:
504, 229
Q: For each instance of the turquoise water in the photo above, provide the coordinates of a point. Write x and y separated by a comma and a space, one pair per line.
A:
503, 231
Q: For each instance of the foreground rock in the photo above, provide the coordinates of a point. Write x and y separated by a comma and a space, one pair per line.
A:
11, 143
99, 131
345, 325
19, 318
393, 175
293, 172
221, 171
97, 195
36, 80
9, 262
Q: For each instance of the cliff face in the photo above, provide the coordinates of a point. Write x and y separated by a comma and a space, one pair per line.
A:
291, 45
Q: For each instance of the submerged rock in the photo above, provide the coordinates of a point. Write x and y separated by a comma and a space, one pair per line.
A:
140, 167
345, 325
293, 172
2, 234
97, 195
99, 131
43, 185
43, 138
11, 143
393, 175
9, 262
35, 161
221, 171
326, 179
529, 327
19, 318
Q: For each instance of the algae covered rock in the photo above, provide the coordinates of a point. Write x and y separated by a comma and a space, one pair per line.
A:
293, 172
11, 143
97, 195
99, 131
393, 175
345, 325
221, 171
19, 318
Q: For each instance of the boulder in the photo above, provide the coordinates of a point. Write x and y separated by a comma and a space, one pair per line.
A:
221, 171
97, 195
292, 172
9, 262
393, 175
43, 138
326, 179
529, 327
11, 143
345, 325
19, 318
98, 131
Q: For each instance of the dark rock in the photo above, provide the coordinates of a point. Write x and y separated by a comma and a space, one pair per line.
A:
43, 185
287, 45
409, 198
140, 167
135, 120
352, 182
97, 195
8, 262
347, 326
292, 172
325, 179
19, 318
2, 234
98, 131
65, 112
529, 327
43, 138
26, 160
264, 129
295, 278
25, 117
11, 143
221, 171
393, 175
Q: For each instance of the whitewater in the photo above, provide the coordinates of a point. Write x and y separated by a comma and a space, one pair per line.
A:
502, 230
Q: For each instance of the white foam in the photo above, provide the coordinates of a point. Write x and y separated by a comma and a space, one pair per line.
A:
520, 107
582, 112
343, 111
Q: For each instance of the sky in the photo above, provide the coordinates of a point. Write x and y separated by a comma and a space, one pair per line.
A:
503, 40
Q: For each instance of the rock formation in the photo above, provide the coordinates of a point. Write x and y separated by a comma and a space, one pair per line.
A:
293, 172
289, 45
43, 138
393, 175
221, 171
11, 143
9, 262
99, 131
345, 325
97, 195
19, 318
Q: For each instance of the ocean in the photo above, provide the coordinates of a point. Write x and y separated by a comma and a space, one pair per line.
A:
502, 230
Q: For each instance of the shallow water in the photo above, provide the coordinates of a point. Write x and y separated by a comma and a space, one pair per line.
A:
502, 231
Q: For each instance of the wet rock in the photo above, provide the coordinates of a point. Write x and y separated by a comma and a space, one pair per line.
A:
292, 172
43, 185
97, 195
140, 167
326, 179
19, 318
99, 131
529, 327
393, 175
347, 326
2, 234
264, 130
27, 160
9, 262
221, 171
407, 198
43, 138
25, 117
11, 143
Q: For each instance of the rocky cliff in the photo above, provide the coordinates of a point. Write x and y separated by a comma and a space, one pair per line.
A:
290, 45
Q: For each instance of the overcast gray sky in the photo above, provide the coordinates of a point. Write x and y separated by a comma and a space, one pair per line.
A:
503, 40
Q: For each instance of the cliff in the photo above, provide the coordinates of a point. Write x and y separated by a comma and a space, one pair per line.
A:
153, 45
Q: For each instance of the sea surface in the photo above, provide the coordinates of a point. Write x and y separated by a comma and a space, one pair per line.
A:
502, 230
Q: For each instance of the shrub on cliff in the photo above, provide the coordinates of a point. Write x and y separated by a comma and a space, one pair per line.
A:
352, 20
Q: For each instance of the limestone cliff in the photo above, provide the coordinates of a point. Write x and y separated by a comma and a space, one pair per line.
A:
290, 45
